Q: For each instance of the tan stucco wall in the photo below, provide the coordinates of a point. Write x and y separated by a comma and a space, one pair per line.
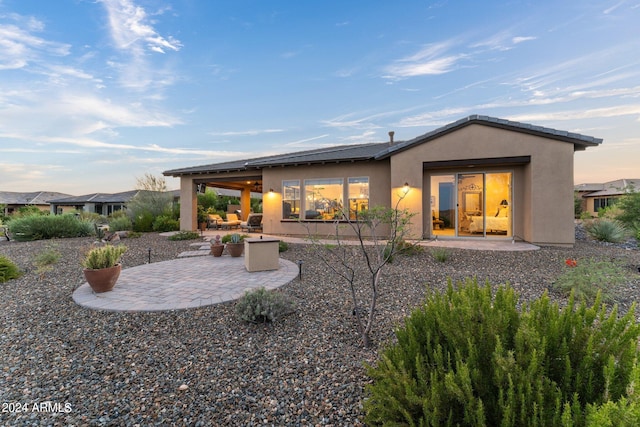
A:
379, 194
543, 189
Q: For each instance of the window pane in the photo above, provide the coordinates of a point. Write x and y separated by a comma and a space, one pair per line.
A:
358, 195
291, 199
323, 198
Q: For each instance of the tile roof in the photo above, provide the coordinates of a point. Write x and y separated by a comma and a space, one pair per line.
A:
580, 141
378, 151
97, 198
29, 198
615, 188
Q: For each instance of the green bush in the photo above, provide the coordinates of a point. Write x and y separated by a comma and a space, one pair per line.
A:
37, 227
586, 278
629, 208
470, 357
165, 223
185, 235
8, 270
120, 223
143, 222
283, 246
262, 306
606, 230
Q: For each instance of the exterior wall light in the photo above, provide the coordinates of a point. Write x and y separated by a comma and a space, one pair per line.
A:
406, 188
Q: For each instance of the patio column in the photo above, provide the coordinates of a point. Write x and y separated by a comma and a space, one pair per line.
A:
245, 202
188, 205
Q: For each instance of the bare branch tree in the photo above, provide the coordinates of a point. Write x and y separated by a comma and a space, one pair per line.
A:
369, 249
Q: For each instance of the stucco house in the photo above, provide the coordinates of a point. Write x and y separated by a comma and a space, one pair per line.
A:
479, 177
100, 203
596, 196
11, 201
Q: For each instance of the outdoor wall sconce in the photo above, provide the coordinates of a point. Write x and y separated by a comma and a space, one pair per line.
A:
271, 190
406, 188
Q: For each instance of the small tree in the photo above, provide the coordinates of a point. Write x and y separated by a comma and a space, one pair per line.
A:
370, 249
153, 200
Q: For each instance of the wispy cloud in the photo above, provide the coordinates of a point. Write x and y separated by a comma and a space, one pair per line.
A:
20, 46
131, 29
431, 60
251, 132
133, 34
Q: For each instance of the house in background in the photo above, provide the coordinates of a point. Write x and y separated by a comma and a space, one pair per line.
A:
100, 203
599, 196
12, 200
479, 177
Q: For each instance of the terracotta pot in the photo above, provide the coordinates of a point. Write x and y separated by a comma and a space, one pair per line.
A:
235, 249
216, 250
102, 279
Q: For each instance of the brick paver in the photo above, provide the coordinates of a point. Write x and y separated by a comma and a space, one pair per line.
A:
186, 282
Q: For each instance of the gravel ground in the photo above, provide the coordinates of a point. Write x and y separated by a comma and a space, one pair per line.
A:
65, 365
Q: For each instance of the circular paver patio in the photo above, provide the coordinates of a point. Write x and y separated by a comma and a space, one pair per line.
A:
183, 283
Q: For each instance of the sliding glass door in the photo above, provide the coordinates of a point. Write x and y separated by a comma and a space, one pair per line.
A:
472, 204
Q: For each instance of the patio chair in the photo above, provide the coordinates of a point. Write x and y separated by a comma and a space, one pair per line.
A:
214, 221
253, 222
232, 221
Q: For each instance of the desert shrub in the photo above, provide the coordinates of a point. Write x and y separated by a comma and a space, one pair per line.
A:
470, 357
629, 208
606, 230
37, 227
262, 306
440, 254
120, 223
143, 222
283, 246
46, 259
402, 247
8, 270
165, 223
585, 278
91, 217
185, 235
103, 256
623, 413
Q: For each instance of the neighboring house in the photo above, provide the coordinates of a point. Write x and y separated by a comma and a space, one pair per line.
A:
599, 196
100, 203
12, 200
479, 177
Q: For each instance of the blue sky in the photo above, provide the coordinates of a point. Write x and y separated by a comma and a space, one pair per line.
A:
96, 93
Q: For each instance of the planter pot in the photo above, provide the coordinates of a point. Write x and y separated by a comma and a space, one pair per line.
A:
216, 250
235, 249
102, 279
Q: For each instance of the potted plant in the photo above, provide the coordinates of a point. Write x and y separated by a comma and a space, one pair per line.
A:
102, 267
216, 246
202, 218
235, 244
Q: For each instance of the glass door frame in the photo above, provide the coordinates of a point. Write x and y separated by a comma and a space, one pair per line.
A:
504, 209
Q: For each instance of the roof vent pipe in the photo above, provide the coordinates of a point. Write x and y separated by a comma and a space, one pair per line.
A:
391, 133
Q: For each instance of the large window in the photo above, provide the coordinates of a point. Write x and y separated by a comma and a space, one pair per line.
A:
603, 202
358, 195
291, 199
323, 198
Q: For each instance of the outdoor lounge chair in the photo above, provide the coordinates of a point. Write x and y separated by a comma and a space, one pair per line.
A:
214, 221
232, 221
253, 222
